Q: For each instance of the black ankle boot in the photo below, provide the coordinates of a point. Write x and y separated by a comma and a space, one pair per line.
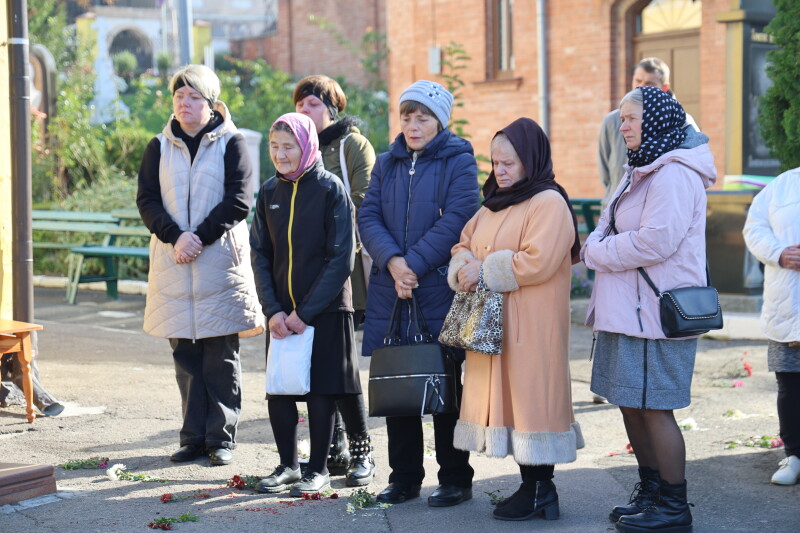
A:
530, 501
339, 454
362, 465
670, 513
643, 496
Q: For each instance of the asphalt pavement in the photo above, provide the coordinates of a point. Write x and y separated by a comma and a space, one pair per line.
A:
122, 402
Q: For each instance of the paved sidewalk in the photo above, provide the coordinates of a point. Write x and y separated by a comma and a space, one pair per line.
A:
122, 403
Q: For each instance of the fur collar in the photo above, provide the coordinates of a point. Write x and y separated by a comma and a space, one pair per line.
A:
339, 128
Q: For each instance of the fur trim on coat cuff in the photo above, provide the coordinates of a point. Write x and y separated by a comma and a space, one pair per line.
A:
498, 272
457, 263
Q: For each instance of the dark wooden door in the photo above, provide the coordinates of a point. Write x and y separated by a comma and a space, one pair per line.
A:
681, 51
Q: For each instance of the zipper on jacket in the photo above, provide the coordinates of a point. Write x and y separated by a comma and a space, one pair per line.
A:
291, 223
411, 173
644, 384
591, 352
192, 299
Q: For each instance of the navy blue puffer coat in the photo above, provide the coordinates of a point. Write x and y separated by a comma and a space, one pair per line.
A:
403, 215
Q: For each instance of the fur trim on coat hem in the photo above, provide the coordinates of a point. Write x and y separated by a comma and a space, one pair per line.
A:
498, 271
457, 263
543, 448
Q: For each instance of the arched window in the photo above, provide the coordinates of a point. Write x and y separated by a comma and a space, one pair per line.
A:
669, 15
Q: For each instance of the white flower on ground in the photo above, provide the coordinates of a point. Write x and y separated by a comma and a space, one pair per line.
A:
303, 448
113, 472
688, 424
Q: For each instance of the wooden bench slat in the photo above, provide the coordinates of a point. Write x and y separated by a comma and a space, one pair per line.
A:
129, 231
112, 251
82, 227
73, 216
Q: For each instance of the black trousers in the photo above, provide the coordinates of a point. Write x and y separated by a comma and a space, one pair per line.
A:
209, 376
789, 411
406, 450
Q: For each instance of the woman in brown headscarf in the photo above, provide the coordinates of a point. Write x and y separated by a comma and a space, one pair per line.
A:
524, 240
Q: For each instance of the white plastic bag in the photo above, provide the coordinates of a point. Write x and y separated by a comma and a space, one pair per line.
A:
289, 364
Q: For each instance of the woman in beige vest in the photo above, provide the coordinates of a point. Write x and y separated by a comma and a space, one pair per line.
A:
193, 196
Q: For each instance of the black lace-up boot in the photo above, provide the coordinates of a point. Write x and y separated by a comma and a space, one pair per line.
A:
643, 496
670, 513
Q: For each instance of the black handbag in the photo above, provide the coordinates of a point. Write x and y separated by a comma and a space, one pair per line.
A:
687, 311
411, 379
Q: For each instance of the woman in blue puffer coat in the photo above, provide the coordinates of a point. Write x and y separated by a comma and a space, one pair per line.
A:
421, 194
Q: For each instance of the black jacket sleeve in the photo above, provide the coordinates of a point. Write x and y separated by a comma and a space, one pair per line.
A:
340, 254
148, 196
235, 205
261, 254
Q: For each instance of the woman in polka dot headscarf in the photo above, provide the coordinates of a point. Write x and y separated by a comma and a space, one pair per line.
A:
656, 220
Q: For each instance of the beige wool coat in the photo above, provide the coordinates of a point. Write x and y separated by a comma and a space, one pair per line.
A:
520, 402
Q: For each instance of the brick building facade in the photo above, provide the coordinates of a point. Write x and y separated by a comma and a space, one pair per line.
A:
302, 47
591, 48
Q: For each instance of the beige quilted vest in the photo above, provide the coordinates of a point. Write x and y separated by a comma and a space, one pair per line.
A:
214, 295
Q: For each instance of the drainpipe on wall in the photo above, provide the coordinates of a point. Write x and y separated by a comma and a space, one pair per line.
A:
21, 190
544, 92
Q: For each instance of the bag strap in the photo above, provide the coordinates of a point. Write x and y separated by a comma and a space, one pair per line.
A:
481, 284
423, 332
393, 332
343, 164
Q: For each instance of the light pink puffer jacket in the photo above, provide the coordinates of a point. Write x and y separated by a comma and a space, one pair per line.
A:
661, 219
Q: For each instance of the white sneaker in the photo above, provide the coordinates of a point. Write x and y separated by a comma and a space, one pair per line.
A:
596, 398
789, 472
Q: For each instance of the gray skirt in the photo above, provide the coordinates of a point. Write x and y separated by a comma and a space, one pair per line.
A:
643, 373
783, 356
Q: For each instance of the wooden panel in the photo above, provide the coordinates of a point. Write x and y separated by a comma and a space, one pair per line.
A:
20, 482
681, 51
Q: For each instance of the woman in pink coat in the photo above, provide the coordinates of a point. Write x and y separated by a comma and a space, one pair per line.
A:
524, 240
656, 220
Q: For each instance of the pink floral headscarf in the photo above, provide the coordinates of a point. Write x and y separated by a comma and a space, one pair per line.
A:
305, 133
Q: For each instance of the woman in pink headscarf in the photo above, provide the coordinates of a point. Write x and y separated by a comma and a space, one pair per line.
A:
303, 250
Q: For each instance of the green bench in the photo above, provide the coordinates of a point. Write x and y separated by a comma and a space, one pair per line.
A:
69, 222
590, 210
108, 251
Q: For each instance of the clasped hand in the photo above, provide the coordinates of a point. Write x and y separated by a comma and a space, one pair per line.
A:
281, 326
405, 280
469, 274
187, 248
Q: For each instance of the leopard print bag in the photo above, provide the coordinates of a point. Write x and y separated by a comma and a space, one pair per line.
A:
475, 321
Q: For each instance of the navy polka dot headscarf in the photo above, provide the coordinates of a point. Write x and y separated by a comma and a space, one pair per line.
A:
662, 127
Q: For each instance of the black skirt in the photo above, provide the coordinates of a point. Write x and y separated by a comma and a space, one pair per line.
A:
334, 363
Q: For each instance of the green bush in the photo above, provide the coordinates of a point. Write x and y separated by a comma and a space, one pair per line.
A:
163, 63
780, 107
125, 64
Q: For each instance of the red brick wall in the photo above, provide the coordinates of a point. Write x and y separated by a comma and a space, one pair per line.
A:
585, 74
712, 81
301, 47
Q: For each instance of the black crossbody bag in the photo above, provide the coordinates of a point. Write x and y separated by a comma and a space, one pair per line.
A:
687, 311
